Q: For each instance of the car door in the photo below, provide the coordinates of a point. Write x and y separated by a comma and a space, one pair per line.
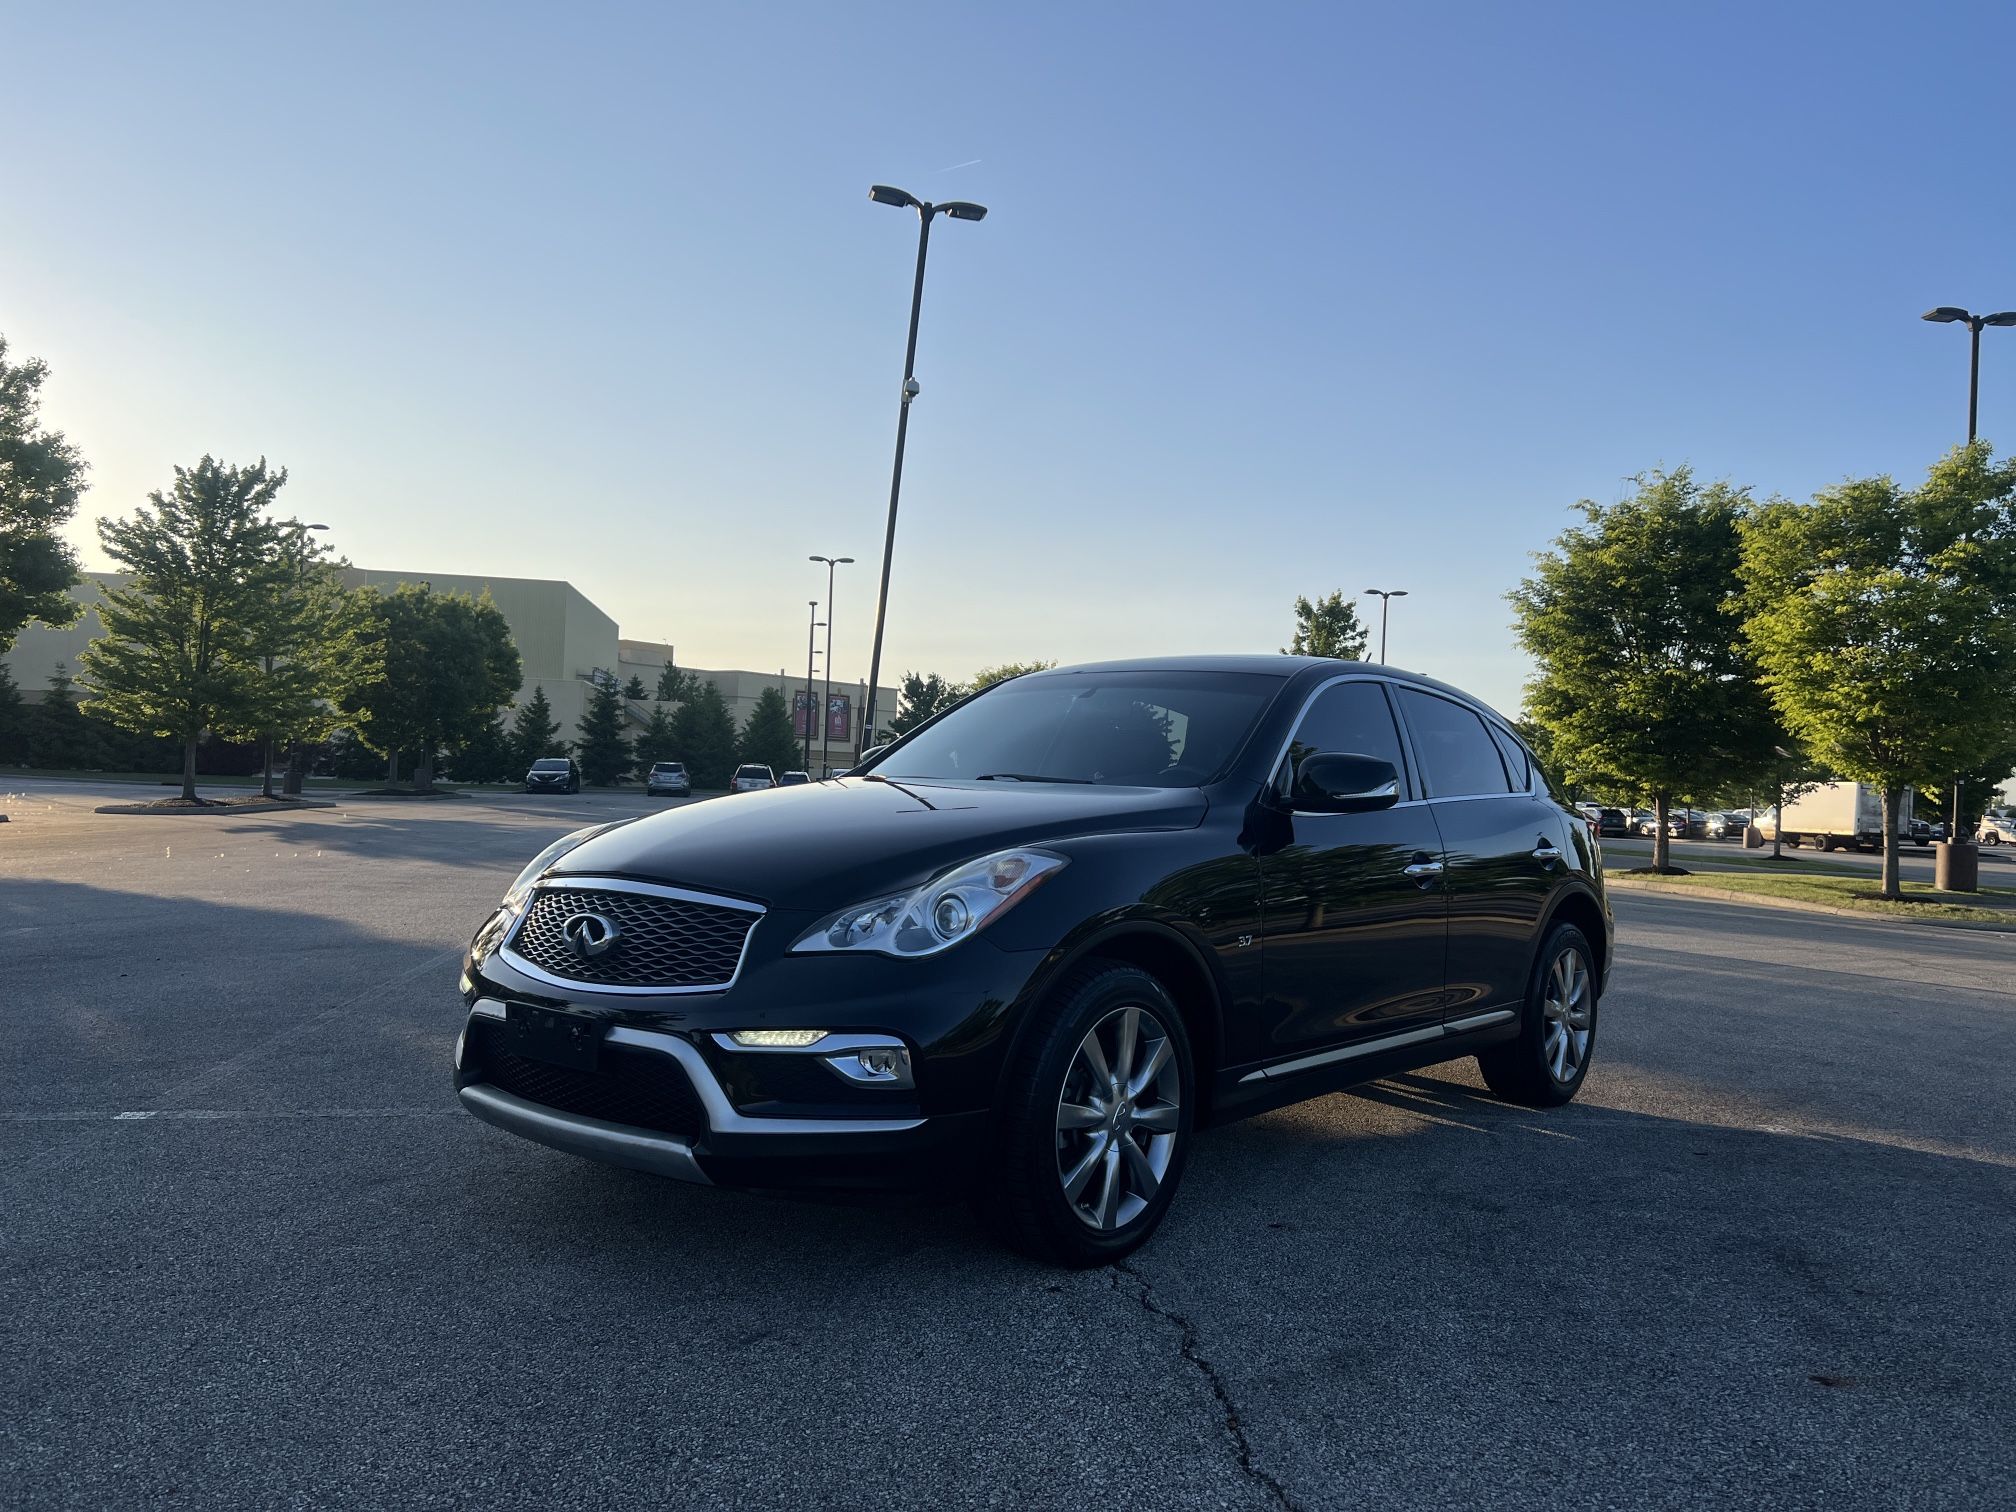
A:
1502, 840
1353, 914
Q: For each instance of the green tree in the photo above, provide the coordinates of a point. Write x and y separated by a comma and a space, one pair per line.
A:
704, 732
923, 694
317, 642
534, 731
657, 741
634, 689
489, 757
13, 721
59, 737
1327, 627
769, 738
41, 480
1884, 621
675, 686
603, 749
986, 677
181, 650
1643, 681
449, 665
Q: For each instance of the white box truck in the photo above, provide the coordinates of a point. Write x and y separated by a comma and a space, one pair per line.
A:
1836, 814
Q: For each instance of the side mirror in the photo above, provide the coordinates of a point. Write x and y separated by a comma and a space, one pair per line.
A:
1330, 783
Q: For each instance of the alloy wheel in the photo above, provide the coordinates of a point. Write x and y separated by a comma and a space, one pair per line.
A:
1565, 1018
1117, 1118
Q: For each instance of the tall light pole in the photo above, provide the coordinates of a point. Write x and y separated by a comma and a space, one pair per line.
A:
1385, 597
811, 640
1956, 865
825, 704
882, 194
1949, 314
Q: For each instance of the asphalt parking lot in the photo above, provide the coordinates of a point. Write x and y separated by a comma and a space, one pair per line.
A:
252, 1254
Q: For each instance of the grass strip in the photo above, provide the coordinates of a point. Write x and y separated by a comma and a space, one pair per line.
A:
1850, 894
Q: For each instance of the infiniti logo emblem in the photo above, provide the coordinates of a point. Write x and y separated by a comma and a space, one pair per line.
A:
590, 934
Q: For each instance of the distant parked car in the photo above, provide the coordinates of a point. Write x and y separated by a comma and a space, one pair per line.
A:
1680, 823
794, 778
751, 778
553, 774
1996, 830
1726, 826
1610, 823
668, 777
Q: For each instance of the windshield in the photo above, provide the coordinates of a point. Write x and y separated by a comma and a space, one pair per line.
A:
550, 764
667, 766
1122, 729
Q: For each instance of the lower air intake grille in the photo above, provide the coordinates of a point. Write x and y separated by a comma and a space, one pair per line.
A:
641, 1088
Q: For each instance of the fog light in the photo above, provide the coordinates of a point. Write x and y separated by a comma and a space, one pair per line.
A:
777, 1039
461, 1041
876, 1065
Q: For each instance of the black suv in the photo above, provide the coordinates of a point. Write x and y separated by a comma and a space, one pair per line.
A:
1040, 940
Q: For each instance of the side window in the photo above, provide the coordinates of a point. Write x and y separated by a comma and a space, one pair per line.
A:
1517, 763
1458, 757
1348, 718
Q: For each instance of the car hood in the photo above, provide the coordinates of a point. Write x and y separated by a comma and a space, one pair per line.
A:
825, 845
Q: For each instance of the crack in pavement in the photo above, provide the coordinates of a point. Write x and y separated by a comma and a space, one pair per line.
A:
1235, 1429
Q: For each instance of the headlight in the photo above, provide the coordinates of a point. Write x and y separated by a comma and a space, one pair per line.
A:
516, 894
941, 913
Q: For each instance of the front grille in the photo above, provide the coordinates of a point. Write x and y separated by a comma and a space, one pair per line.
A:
642, 1088
664, 943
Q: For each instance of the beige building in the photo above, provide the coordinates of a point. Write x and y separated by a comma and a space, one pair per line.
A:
564, 641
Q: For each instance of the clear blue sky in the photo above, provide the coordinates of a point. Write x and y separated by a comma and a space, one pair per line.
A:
1273, 299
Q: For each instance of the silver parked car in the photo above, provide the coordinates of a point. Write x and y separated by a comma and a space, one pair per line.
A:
668, 777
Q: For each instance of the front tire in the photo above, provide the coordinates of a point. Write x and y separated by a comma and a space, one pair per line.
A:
1547, 1064
1095, 1121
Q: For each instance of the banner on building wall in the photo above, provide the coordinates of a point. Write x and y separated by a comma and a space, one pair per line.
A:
802, 705
839, 716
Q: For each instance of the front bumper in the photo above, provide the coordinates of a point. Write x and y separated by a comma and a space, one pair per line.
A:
727, 1146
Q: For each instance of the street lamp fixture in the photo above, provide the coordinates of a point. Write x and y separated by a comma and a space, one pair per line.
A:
902, 199
1385, 597
1954, 315
1955, 868
826, 704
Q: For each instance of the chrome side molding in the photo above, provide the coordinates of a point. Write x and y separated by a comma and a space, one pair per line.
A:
1388, 1042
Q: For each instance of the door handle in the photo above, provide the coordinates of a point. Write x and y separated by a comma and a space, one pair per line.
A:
1547, 853
1422, 871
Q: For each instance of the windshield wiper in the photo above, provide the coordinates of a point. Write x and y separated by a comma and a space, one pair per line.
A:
1029, 777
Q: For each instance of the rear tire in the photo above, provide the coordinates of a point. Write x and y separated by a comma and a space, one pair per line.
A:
1094, 1126
1547, 1064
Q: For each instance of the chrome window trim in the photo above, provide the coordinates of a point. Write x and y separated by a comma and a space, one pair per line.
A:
1487, 719
1386, 1042
590, 883
1399, 729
